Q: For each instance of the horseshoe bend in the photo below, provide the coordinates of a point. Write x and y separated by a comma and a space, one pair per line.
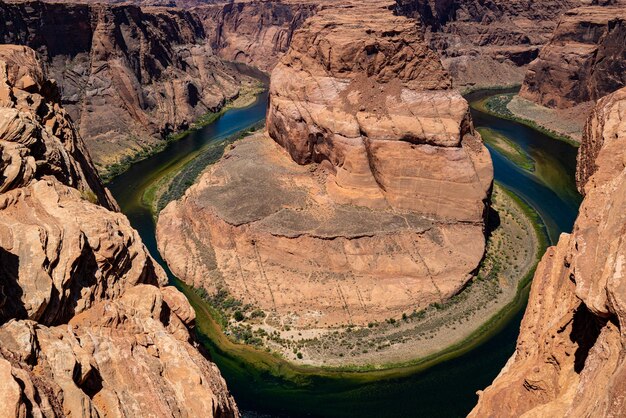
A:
366, 198
312, 208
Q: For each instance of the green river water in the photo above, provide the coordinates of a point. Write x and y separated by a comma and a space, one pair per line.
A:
264, 386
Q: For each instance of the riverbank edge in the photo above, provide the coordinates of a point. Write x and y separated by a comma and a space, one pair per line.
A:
244, 96
210, 332
152, 195
480, 105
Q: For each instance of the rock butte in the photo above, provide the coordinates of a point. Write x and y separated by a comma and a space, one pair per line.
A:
569, 360
371, 199
87, 325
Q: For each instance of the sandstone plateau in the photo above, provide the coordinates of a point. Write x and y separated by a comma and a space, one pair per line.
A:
128, 76
87, 324
569, 360
584, 60
366, 197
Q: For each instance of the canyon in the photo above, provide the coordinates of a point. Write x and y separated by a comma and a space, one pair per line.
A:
365, 200
127, 76
582, 62
487, 43
133, 75
569, 355
257, 33
88, 324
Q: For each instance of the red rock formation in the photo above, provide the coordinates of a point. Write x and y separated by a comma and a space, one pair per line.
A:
127, 76
86, 327
569, 359
584, 60
487, 42
373, 203
257, 32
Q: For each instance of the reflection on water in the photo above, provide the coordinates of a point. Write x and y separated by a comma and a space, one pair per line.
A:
445, 390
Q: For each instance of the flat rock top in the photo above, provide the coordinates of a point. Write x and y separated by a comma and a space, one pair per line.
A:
256, 182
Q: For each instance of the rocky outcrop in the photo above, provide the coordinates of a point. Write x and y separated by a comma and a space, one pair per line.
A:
569, 359
38, 138
487, 42
127, 76
256, 32
584, 61
87, 327
369, 102
370, 201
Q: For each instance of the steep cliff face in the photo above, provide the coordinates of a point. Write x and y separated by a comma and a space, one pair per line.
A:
86, 327
569, 359
257, 32
127, 76
369, 202
584, 60
487, 42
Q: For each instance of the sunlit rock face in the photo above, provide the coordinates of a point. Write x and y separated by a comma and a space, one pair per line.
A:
584, 60
569, 359
87, 324
367, 199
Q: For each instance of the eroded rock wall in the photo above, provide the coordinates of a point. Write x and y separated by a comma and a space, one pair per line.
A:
487, 42
87, 323
128, 76
569, 359
584, 60
257, 33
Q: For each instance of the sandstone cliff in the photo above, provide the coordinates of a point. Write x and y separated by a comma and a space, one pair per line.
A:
127, 76
257, 32
569, 359
370, 201
584, 60
487, 42
87, 325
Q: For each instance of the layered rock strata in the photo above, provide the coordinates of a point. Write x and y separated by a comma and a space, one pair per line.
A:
128, 76
371, 199
256, 32
487, 43
87, 324
569, 360
584, 60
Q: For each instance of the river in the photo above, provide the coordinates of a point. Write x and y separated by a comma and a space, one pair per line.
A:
445, 390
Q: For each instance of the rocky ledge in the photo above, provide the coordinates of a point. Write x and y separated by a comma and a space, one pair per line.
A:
87, 323
369, 202
569, 360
